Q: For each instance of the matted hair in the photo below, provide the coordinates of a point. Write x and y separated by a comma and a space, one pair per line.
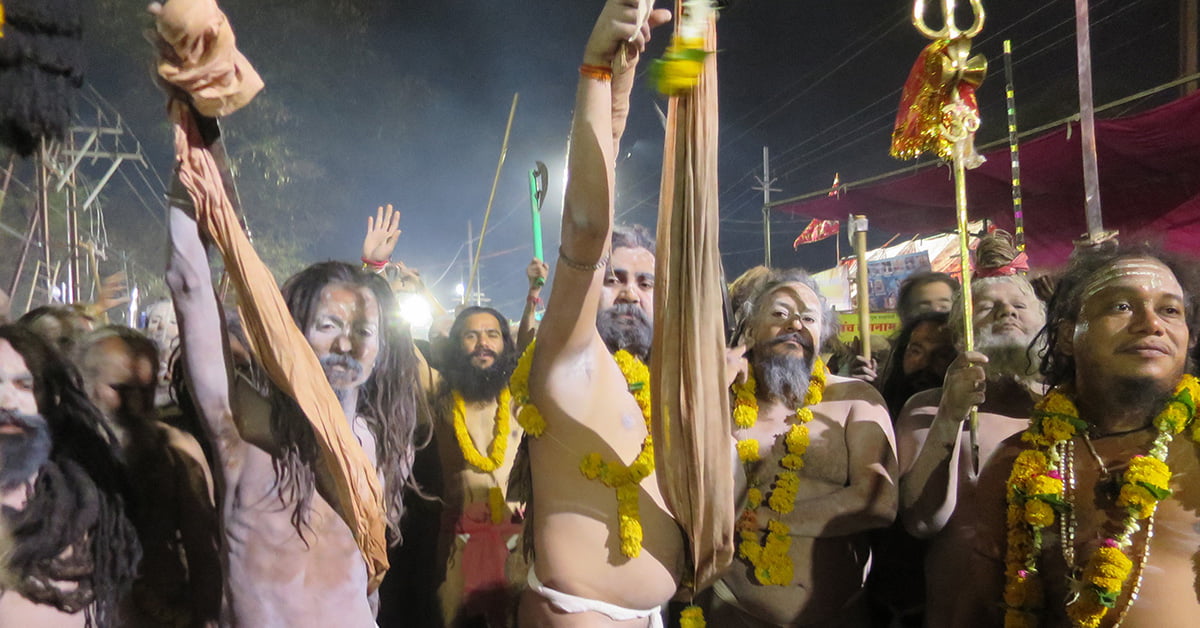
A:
390, 401
82, 482
1063, 311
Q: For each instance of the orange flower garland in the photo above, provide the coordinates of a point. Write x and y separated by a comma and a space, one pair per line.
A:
1036, 494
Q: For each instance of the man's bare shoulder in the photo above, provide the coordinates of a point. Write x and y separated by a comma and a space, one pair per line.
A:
859, 393
919, 410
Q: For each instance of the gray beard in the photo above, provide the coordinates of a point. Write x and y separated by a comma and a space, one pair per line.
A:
783, 377
633, 334
1008, 357
21, 455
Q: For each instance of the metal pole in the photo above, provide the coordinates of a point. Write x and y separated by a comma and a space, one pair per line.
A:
1014, 150
1087, 124
764, 184
1189, 51
43, 186
73, 278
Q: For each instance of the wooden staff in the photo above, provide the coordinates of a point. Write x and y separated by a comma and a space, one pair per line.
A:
859, 227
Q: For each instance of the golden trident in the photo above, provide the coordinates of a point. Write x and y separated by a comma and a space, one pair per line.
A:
958, 126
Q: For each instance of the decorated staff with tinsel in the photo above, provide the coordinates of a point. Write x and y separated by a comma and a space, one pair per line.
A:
938, 114
1089, 519
818, 469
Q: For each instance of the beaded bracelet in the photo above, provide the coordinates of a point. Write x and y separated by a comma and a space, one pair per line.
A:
598, 72
580, 266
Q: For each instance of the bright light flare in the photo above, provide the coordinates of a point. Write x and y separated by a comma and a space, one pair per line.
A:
416, 310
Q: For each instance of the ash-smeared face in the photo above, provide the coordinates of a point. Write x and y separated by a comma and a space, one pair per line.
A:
24, 433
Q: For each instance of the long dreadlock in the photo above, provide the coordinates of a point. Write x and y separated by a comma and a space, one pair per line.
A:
74, 528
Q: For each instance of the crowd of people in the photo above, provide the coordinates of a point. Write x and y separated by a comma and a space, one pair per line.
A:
292, 456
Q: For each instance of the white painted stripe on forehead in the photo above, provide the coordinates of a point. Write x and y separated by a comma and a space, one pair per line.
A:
1150, 270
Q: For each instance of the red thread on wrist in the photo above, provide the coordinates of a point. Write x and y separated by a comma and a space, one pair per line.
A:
598, 72
373, 263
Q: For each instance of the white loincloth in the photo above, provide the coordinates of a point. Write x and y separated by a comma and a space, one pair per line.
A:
574, 604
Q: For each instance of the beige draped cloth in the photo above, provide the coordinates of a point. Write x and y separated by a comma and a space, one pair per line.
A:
691, 417
278, 344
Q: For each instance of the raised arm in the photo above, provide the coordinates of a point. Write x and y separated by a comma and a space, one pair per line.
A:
929, 484
869, 500
202, 337
570, 322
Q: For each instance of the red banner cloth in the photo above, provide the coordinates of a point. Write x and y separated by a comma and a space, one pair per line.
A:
1149, 186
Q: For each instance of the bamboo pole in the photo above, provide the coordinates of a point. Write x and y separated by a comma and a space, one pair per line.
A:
492, 197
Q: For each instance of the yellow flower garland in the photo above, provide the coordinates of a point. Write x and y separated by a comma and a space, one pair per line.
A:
615, 475
772, 565
496, 450
528, 417
1036, 493
499, 444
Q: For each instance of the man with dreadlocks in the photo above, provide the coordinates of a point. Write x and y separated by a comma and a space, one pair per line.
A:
292, 558
606, 550
817, 472
1089, 517
314, 444
74, 553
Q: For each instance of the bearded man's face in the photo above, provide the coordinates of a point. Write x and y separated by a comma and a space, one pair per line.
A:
482, 362
24, 433
1007, 319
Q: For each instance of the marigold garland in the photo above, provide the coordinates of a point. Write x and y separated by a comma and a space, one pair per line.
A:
528, 417
692, 617
499, 444
769, 557
1036, 494
615, 475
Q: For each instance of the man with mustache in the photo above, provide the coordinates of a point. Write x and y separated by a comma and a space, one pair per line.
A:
817, 470
292, 558
603, 556
1000, 378
477, 436
73, 551
1110, 453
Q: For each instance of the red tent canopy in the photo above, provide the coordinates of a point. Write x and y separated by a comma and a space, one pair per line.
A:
1149, 184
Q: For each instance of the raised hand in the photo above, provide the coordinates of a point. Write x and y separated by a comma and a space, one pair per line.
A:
621, 22
113, 293
537, 271
383, 229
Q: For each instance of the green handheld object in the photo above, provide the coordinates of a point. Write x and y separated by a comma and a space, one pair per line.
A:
537, 195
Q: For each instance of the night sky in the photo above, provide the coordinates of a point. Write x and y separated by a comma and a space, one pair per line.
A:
405, 102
